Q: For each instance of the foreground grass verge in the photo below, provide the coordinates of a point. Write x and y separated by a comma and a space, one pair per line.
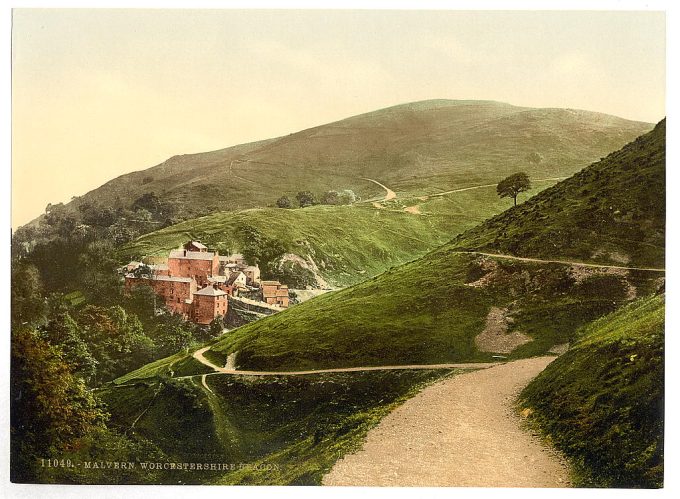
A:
276, 430
601, 403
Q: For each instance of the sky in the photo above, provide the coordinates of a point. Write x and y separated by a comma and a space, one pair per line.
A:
99, 93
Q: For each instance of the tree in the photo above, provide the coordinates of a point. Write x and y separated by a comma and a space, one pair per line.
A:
347, 196
50, 407
305, 198
28, 305
330, 197
513, 185
284, 202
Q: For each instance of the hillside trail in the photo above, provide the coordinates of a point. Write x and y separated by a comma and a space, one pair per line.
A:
565, 262
551, 179
198, 355
460, 432
389, 193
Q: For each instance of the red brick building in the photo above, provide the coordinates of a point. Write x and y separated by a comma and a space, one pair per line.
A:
209, 303
176, 291
197, 264
275, 293
196, 282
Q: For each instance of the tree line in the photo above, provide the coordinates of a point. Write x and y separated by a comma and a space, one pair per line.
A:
308, 198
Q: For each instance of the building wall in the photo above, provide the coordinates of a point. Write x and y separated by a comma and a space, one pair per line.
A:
253, 274
198, 269
174, 293
206, 308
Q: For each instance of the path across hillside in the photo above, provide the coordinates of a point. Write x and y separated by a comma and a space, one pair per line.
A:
460, 432
198, 355
565, 262
491, 185
389, 193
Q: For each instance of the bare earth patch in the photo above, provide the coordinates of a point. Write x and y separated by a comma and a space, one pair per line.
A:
460, 432
495, 336
415, 210
582, 273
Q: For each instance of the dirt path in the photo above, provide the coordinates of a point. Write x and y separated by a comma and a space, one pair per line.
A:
576, 264
460, 432
491, 185
389, 193
198, 355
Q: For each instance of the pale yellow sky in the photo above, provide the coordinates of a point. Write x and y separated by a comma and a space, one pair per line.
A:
99, 93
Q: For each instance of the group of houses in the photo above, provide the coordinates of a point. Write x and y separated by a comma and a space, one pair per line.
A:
197, 282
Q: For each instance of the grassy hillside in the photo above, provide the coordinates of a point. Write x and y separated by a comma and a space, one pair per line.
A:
432, 309
417, 148
343, 244
435, 309
285, 430
601, 403
611, 212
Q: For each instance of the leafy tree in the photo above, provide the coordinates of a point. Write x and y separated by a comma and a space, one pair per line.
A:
216, 327
147, 201
347, 196
172, 334
60, 219
63, 331
115, 338
513, 185
50, 408
305, 198
97, 273
28, 306
330, 197
284, 202
96, 215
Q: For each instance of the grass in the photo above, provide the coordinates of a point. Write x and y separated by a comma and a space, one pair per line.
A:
611, 212
601, 403
413, 148
425, 311
284, 430
346, 243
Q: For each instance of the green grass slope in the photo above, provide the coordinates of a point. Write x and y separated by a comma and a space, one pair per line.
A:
431, 310
416, 148
601, 403
344, 244
611, 212
274, 430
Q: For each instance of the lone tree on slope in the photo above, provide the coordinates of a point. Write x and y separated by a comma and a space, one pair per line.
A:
513, 185
305, 198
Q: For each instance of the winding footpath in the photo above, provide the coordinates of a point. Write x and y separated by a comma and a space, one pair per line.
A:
198, 355
564, 262
460, 432
389, 193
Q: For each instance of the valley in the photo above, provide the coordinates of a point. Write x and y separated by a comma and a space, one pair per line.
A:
435, 281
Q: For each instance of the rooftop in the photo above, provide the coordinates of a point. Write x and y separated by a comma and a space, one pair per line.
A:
197, 244
210, 291
192, 255
162, 278
234, 276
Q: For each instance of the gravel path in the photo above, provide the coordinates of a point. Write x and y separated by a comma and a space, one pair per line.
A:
459, 432
230, 369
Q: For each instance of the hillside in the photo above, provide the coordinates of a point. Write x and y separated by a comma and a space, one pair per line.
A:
417, 148
611, 212
450, 306
447, 307
601, 403
336, 245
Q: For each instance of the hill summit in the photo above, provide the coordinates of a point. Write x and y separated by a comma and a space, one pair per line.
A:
420, 147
